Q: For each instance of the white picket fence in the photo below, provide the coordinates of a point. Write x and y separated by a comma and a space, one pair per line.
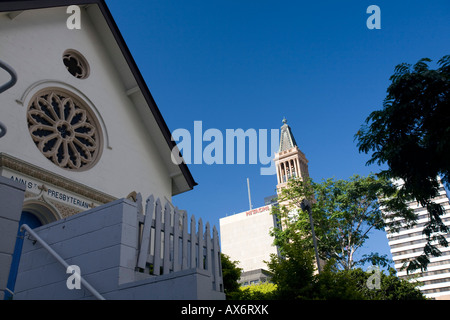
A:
167, 246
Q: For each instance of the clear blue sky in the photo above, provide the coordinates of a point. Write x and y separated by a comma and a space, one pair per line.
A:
247, 64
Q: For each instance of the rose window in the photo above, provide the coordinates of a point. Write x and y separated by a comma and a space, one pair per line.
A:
64, 129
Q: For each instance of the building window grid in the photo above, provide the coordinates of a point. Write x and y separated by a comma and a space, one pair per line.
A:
430, 265
441, 262
432, 281
399, 253
436, 290
412, 234
420, 225
436, 272
435, 281
427, 274
419, 206
409, 235
417, 231
411, 242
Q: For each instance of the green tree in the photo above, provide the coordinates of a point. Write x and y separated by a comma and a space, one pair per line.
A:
353, 285
333, 284
394, 288
260, 291
293, 273
231, 274
411, 135
294, 280
343, 211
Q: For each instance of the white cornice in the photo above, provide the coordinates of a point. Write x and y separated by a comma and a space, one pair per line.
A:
7, 161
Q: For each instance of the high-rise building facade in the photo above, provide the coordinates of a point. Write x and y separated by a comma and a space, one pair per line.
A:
409, 243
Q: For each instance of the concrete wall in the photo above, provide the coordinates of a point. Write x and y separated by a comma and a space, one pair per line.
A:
103, 242
11, 200
191, 284
100, 241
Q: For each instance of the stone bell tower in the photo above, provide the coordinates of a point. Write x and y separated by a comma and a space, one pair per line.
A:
290, 161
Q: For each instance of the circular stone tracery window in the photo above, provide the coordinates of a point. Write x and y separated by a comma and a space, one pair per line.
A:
76, 64
64, 129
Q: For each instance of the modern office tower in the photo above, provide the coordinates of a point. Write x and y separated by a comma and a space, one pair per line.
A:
245, 237
408, 243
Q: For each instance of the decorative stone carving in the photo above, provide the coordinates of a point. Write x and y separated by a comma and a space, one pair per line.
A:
64, 129
64, 210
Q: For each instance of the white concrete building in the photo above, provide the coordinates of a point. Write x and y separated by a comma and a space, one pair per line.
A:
109, 140
245, 237
409, 243
79, 128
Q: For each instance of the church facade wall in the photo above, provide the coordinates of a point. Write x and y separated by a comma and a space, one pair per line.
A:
33, 43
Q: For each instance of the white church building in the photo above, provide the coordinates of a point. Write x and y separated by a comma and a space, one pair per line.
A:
85, 153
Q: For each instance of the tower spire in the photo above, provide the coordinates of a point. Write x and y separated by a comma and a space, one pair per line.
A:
290, 161
287, 140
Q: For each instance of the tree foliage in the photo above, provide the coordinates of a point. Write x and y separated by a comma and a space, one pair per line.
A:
343, 211
352, 285
411, 135
295, 281
260, 291
231, 274
293, 272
